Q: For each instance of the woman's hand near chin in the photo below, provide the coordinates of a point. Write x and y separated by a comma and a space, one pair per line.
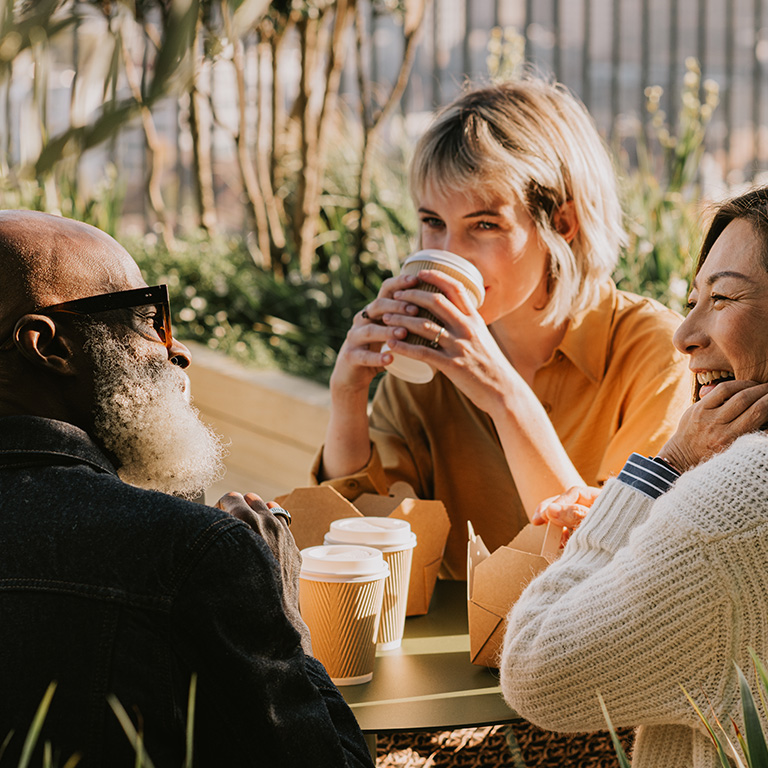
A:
360, 357
731, 409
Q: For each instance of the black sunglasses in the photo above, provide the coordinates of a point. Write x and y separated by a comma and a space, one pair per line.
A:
155, 296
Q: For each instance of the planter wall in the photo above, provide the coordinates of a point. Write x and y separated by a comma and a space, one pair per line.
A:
274, 423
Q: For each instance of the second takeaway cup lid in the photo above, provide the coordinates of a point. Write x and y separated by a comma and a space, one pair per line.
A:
342, 562
384, 533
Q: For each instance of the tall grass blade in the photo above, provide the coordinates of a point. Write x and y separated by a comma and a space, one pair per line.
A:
73, 761
762, 678
6, 742
37, 724
191, 721
755, 747
620, 753
740, 739
724, 761
133, 736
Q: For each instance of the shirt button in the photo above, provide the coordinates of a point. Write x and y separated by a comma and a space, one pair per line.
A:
353, 484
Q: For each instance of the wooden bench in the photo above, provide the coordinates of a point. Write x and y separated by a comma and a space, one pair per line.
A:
273, 422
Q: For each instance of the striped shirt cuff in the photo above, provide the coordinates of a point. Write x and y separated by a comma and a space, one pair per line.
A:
649, 476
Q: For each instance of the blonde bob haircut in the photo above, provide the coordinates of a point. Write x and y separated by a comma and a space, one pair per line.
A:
534, 140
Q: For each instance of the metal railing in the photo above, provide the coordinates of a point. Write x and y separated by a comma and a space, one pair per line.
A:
608, 52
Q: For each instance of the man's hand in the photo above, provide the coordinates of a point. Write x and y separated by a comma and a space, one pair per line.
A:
253, 511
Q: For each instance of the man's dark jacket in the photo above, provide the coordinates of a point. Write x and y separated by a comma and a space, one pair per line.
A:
109, 589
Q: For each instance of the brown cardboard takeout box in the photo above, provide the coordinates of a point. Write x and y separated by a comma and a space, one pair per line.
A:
495, 581
313, 509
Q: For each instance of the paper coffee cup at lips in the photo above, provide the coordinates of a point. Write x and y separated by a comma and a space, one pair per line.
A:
341, 588
417, 371
395, 540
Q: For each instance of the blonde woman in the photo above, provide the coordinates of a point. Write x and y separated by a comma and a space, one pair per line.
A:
557, 376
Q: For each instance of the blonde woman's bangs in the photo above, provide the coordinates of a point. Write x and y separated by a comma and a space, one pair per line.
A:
533, 140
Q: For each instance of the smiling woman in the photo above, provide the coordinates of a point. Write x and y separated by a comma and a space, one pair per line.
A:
726, 330
665, 583
556, 376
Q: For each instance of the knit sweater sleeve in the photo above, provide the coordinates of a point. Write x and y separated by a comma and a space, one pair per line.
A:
648, 596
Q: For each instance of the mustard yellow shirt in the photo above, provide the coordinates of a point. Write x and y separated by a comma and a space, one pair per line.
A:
614, 385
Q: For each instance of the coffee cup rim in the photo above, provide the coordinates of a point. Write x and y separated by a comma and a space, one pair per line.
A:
342, 562
383, 533
453, 260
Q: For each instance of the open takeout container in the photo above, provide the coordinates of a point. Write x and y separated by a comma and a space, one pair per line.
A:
495, 581
314, 508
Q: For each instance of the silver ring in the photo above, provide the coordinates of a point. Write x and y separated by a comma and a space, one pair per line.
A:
283, 514
435, 343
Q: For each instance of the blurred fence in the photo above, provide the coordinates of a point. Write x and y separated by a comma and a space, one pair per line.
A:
607, 51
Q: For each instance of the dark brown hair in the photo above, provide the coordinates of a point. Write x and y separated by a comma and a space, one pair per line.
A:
752, 206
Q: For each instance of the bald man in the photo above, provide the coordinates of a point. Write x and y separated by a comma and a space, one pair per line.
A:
109, 585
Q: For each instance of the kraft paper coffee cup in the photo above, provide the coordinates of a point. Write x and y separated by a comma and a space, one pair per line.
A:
417, 371
395, 540
341, 588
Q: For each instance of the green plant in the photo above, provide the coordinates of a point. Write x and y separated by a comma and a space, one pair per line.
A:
748, 749
752, 751
220, 298
135, 736
661, 193
33, 736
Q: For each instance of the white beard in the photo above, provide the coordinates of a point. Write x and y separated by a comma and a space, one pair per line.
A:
142, 415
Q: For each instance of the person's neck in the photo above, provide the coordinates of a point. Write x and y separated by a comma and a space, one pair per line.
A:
526, 343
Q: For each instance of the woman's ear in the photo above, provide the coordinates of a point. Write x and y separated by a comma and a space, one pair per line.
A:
43, 343
565, 221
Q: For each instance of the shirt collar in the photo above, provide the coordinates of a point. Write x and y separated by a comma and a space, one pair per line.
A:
586, 341
36, 437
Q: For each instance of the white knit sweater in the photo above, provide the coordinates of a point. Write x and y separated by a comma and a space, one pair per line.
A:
647, 597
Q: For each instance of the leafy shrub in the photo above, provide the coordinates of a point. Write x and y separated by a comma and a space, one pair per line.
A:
220, 298
661, 194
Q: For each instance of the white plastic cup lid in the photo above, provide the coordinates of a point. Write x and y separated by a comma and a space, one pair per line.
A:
372, 531
343, 560
408, 369
459, 263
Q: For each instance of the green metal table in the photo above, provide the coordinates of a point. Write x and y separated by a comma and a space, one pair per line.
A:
429, 682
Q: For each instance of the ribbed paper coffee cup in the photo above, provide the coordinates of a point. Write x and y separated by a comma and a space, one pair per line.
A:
417, 371
341, 588
393, 537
